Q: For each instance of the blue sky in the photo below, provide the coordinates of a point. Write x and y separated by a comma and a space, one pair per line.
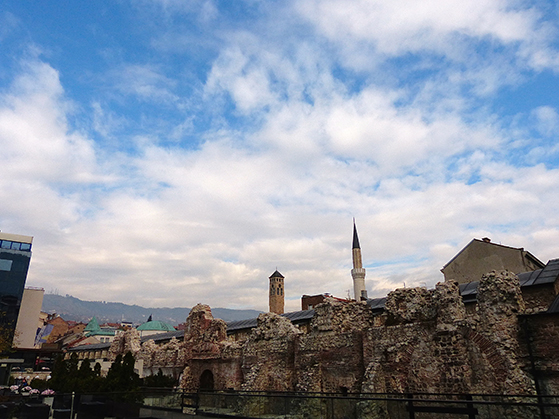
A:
167, 152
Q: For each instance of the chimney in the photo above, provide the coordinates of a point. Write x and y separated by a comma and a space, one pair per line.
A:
486, 240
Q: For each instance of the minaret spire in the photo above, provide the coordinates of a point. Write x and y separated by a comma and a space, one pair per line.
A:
358, 272
355, 237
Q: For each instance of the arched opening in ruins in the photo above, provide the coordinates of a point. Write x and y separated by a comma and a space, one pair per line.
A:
207, 381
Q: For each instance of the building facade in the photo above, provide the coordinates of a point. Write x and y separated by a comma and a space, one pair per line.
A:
15, 255
28, 321
482, 256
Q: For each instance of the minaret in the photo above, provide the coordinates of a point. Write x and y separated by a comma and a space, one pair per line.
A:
276, 293
358, 272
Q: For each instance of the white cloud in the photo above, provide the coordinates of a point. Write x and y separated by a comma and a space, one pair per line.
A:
34, 135
547, 120
421, 169
399, 27
144, 81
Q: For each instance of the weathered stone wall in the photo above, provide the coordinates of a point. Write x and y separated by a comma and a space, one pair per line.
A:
538, 298
422, 346
268, 354
330, 357
128, 341
424, 341
541, 332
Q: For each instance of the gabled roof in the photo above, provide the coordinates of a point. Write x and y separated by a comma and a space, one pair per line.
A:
488, 242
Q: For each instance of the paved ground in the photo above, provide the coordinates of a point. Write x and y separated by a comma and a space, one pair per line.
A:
164, 414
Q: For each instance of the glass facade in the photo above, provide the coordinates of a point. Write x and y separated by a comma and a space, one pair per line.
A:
15, 255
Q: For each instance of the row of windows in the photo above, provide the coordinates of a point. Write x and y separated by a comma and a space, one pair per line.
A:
273, 291
8, 244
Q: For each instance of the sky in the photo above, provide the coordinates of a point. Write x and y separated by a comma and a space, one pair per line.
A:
169, 152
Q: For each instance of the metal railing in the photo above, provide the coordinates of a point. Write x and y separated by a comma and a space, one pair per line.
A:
377, 405
161, 403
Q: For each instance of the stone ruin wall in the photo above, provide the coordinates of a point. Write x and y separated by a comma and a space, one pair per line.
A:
424, 341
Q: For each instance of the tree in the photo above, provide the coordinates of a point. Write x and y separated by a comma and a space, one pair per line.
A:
122, 380
159, 380
8, 334
67, 377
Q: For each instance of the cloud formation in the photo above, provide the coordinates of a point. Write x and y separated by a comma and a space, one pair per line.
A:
171, 176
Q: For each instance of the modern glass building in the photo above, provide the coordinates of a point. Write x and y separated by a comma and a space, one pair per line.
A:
15, 255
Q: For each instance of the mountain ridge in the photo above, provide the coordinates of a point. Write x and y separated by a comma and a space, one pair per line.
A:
72, 308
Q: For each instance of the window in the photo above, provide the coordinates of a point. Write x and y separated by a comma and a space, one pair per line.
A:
8, 244
5, 265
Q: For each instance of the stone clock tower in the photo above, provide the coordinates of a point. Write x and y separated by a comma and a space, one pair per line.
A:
276, 293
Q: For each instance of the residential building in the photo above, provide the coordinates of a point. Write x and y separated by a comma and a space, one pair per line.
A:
482, 256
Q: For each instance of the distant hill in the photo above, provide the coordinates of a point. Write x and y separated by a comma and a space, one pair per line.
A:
72, 308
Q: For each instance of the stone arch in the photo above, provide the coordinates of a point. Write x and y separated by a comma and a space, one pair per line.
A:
492, 363
406, 361
207, 381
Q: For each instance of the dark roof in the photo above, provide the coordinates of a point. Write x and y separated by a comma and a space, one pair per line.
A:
528, 277
547, 275
92, 347
554, 307
241, 324
468, 291
297, 316
276, 274
376, 304
355, 238
294, 316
